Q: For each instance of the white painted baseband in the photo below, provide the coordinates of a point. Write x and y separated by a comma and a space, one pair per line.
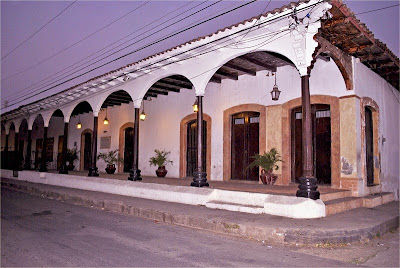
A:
257, 203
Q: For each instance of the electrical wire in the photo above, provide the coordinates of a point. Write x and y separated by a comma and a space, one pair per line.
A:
42, 82
77, 42
136, 50
41, 28
184, 51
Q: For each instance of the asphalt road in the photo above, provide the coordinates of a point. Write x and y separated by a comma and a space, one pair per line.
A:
42, 232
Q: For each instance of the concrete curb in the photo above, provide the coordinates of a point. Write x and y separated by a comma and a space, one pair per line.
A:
248, 230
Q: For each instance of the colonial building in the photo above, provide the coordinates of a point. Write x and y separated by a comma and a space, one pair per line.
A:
332, 74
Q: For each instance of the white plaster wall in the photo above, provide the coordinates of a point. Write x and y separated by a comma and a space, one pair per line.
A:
370, 84
161, 129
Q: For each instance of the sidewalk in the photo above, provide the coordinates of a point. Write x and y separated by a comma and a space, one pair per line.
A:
351, 226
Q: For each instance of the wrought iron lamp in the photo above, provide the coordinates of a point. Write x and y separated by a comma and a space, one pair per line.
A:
106, 119
196, 106
275, 91
142, 116
79, 125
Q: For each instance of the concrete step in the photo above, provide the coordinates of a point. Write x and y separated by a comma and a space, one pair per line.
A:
347, 203
335, 195
377, 199
235, 207
342, 204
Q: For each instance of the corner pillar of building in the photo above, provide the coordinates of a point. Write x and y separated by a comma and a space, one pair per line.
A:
63, 168
93, 171
134, 174
308, 182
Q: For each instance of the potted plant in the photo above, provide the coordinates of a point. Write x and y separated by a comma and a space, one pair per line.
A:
111, 158
71, 156
160, 160
267, 162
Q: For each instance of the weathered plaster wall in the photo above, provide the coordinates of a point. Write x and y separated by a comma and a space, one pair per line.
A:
369, 84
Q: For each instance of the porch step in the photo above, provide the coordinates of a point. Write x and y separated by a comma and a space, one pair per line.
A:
335, 195
347, 203
235, 207
342, 204
377, 199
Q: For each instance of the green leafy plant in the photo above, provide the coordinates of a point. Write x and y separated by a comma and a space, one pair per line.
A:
111, 157
72, 155
160, 159
267, 161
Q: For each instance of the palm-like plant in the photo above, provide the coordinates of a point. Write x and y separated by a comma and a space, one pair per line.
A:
267, 161
161, 158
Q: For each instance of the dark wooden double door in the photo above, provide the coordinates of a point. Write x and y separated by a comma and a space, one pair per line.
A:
321, 123
245, 144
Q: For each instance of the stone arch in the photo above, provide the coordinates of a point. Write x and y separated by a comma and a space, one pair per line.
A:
149, 82
367, 102
81, 105
105, 96
227, 149
82, 152
121, 145
183, 143
287, 107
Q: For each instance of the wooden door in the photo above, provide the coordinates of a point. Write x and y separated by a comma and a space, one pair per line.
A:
87, 152
191, 147
321, 118
38, 152
369, 146
245, 144
128, 150
59, 151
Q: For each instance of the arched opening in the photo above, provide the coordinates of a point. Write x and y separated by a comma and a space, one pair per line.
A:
55, 140
188, 145
86, 149
37, 141
23, 139
244, 135
173, 83
126, 146
369, 146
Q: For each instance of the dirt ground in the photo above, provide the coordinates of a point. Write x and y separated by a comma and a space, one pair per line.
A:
381, 251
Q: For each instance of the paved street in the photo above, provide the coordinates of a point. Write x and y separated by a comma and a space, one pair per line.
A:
42, 232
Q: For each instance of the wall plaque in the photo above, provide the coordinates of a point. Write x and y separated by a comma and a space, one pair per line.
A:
105, 142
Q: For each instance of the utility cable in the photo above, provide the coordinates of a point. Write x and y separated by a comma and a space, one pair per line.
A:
42, 82
77, 42
150, 45
41, 28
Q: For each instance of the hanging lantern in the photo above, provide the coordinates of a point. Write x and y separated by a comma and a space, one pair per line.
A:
196, 106
106, 119
142, 116
79, 125
275, 92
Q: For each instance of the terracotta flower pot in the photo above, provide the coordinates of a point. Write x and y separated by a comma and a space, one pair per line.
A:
110, 169
267, 177
161, 171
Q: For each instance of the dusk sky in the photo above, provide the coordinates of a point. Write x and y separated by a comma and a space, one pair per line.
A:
46, 42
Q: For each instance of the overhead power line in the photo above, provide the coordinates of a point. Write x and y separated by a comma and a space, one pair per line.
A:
77, 42
136, 50
60, 73
143, 38
280, 17
41, 28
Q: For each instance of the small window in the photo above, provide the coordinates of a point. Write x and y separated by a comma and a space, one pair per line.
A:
254, 120
321, 114
239, 121
299, 115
